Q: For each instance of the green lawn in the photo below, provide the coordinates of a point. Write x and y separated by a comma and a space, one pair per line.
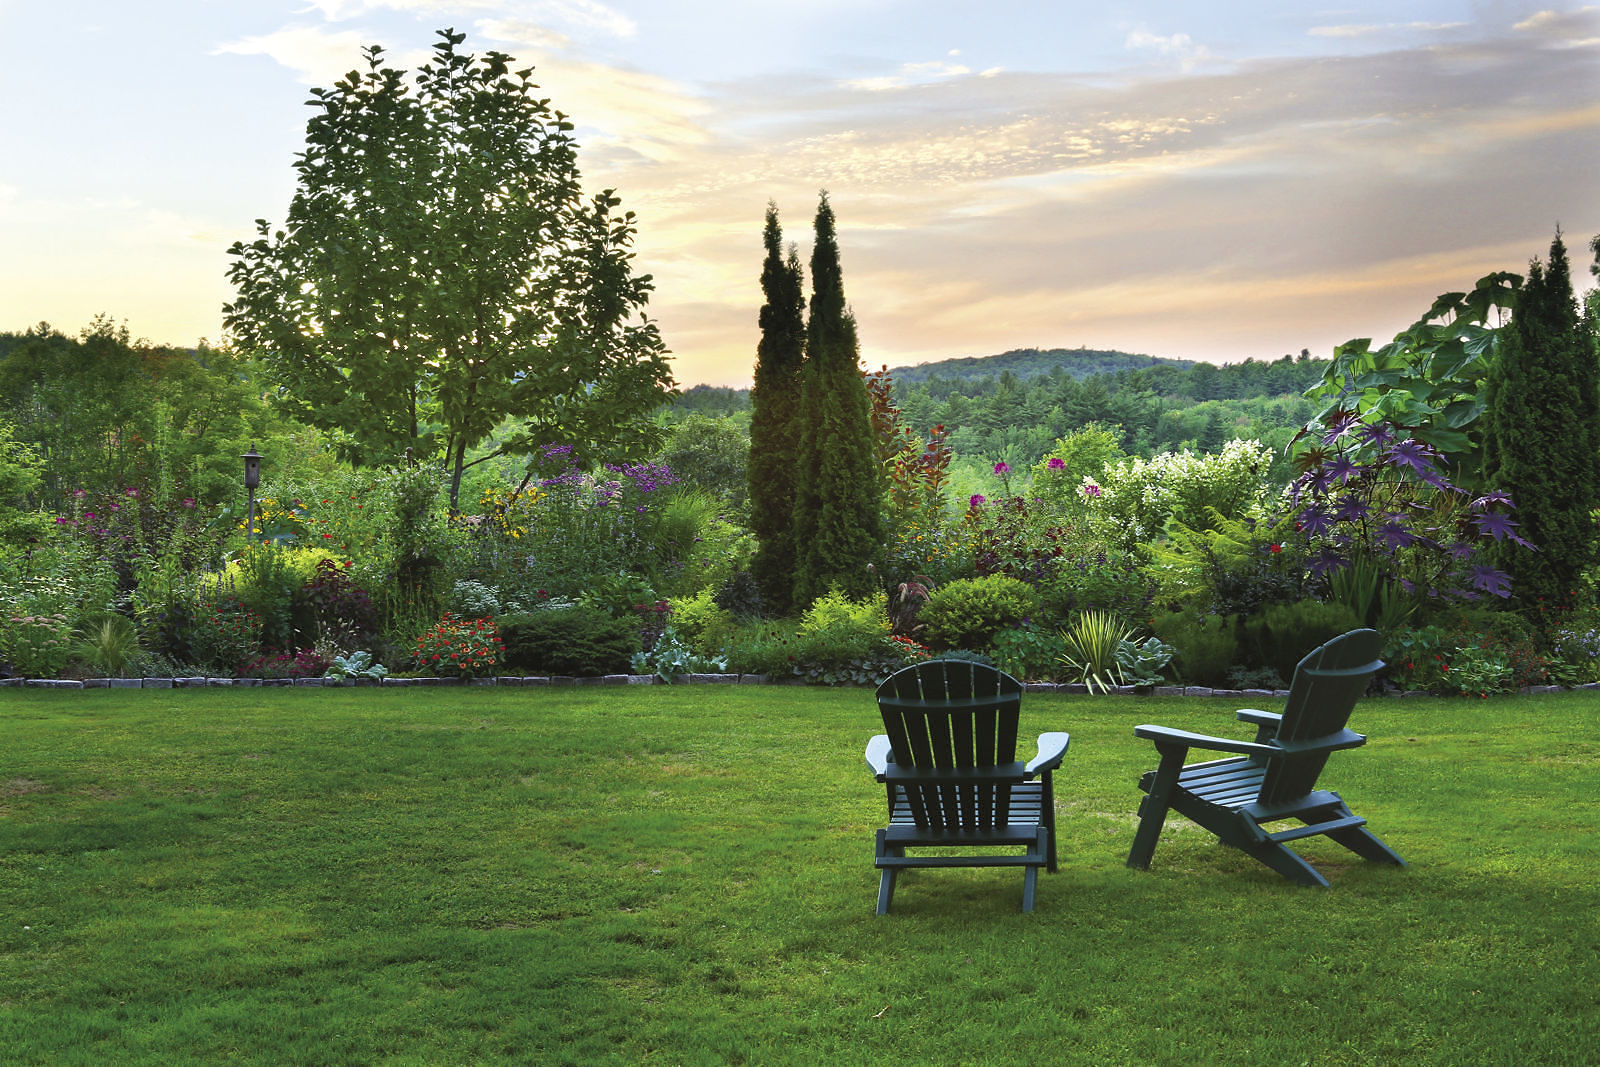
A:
684, 875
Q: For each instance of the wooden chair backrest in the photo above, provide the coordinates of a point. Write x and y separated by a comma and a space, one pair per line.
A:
947, 715
1327, 683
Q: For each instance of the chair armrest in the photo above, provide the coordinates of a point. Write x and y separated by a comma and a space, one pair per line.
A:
1052, 747
1165, 737
878, 752
1260, 718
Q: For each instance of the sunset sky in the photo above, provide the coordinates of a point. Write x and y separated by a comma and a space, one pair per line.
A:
1202, 181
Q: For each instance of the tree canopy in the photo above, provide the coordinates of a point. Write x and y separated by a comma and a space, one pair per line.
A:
440, 271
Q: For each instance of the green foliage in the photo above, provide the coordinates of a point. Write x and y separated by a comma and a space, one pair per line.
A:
1204, 646
1084, 454
740, 596
1543, 435
460, 648
579, 640
268, 580
1139, 497
1112, 581
711, 455
1365, 588
1145, 662
775, 399
701, 621
20, 479
359, 664
107, 644
670, 657
36, 646
1478, 671
1429, 379
1028, 651
838, 513
1092, 641
220, 635
1280, 635
440, 271
971, 612
473, 599
1231, 565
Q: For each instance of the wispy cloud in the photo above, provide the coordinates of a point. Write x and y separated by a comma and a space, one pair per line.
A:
1178, 46
318, 56
1372, 29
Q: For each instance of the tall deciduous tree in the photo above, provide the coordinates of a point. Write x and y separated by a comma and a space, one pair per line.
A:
441, 271
1543, 440
838, 519
774, 420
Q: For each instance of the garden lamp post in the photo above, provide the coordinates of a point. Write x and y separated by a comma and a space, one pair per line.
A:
252, 478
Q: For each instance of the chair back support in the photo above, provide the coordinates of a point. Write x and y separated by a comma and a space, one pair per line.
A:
950, 715
1327, 683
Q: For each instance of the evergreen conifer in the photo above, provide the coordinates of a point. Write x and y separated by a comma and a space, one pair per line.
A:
1542, 444
774, 425
838, 520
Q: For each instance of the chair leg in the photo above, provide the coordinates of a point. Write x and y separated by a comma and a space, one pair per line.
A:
1153, 809
1357, 839
1030, 880
1367, 845
1048, 816
886, 890
1286, 863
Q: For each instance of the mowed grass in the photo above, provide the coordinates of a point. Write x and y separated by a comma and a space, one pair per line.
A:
684, 875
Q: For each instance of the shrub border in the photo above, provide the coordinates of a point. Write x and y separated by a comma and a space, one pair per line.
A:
515, 681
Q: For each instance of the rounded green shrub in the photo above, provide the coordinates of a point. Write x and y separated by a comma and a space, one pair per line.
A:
577, 640
971, 612
1204, 646
1280, 635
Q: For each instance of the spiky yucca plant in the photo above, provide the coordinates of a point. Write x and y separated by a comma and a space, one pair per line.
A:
1091, 641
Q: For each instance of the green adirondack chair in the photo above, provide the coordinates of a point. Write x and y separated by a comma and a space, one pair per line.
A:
948, 761
1274, 777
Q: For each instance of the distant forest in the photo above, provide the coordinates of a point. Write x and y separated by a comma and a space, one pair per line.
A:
1015, 406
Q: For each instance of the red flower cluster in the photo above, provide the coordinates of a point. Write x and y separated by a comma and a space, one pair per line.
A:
459, 647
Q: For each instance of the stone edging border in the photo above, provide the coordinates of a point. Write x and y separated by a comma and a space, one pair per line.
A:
198, 682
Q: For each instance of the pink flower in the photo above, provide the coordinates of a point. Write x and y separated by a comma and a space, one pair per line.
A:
977, 498
1002, 467
1056, 463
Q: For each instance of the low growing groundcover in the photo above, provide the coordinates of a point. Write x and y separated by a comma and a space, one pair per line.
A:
684, 875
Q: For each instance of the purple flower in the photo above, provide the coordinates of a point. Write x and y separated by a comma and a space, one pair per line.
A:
1002, 467
977, 498
1056, 463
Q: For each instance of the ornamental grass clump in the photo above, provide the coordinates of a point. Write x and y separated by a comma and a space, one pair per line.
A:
460, 648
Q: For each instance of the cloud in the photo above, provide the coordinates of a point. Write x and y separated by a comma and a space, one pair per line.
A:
910, 74
1278, 205
1567, 29
1178, 46
1374, 28
586, 17
318, 56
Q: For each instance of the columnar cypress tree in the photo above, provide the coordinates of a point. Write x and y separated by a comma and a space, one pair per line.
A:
1542, 444
774, 421
838, 518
